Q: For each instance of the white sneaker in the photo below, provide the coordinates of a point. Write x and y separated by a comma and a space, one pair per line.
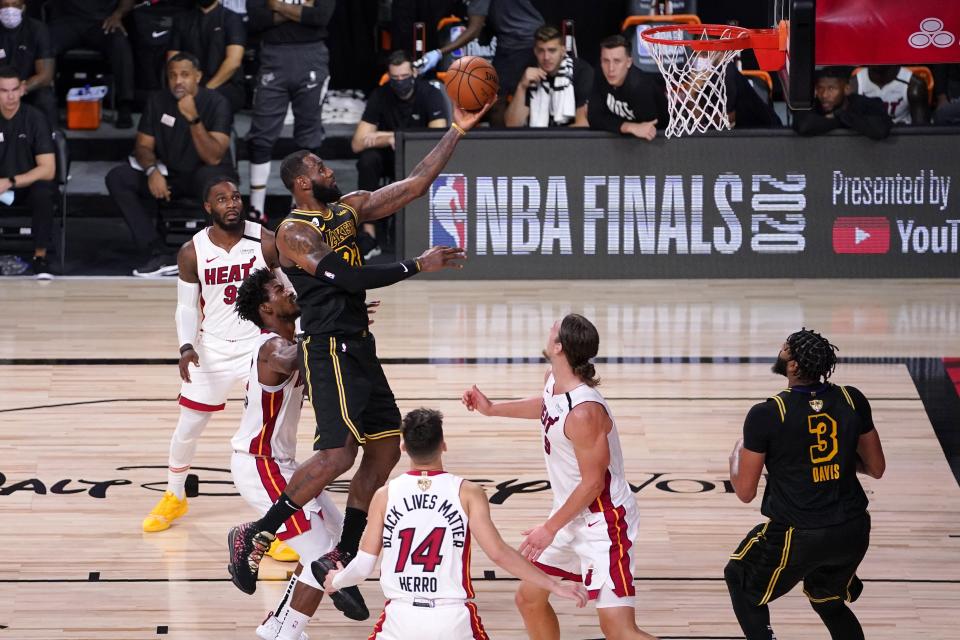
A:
270, 627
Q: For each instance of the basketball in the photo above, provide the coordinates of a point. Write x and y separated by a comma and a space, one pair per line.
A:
471, 82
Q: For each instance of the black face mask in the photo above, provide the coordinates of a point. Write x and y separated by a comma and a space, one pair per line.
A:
780, 366
326, 194
403, 88
206, 4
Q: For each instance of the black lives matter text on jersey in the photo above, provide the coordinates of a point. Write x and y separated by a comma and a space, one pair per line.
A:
456, 523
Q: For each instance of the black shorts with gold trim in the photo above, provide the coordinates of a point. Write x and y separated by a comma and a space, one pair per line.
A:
349, 392
774, 557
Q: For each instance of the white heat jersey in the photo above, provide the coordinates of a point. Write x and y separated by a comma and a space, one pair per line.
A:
562, 468
221, 273
268, 427
893, 94
426, 538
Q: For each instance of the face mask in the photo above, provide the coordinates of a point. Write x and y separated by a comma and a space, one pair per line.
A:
403, 88
780, 366
11, 17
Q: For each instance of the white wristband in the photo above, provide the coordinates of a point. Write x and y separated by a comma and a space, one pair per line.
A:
355, 572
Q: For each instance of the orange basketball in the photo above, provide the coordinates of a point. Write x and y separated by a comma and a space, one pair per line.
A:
471, 82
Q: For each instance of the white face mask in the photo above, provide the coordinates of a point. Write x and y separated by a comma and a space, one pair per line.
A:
11, 17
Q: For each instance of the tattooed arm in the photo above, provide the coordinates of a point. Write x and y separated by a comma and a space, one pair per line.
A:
393, 197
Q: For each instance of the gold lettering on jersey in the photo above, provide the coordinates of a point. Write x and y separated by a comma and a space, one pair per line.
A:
826, 472
816, 405
336, 236
824, 428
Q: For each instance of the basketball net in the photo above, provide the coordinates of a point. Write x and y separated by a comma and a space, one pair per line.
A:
696, 86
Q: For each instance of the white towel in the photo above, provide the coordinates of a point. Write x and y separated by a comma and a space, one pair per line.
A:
554, 98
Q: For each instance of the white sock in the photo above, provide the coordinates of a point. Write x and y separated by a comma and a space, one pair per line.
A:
183, 446
293, 625
284, 605
259, 174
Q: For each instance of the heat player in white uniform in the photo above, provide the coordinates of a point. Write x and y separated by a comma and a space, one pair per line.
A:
265, 445
594, 521
215, 344
903, 93
424, 521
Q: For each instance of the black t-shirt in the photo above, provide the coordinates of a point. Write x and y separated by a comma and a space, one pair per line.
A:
326, 309
582, 86
810, 437
22, 138
390, 113
174, 145
311, 28
640, 98
23, 46
207, 36
86, 9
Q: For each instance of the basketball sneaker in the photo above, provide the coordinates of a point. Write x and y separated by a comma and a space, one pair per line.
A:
247, 546
347, 600
270, 627
167, 510
282, 552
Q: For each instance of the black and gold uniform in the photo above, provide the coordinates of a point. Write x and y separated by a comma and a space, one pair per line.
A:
819, 528
338, 357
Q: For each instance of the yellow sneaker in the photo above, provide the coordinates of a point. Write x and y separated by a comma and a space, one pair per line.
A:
281, 552
167, 510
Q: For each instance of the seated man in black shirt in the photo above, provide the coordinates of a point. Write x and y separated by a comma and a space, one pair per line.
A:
27, 162
217, 37
835, 107
403, 103
625, 100
182, 142
98, 24
554, 93
25, 45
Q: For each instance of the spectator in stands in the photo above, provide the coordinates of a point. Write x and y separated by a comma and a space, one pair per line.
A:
98, 24
625, 100
217, 37
903, 93
294, 68
25, 45
403, 103
554, 92
181, 143
946, 91
514, 23
27, 161
835, 107
405, 13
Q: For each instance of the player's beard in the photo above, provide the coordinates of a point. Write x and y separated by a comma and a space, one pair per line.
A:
221, 221
780, 367
326, 195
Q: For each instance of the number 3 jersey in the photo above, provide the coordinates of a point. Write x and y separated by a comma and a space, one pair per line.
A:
221, 273
810, 437
426, 538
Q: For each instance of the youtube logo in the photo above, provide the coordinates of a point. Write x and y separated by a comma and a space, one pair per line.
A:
853, 234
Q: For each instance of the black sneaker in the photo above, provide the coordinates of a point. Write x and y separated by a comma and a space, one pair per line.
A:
159, 265
41, 268
124, 118
247, 546
348, 600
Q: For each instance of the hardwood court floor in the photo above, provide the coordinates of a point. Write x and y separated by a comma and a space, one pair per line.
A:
86, 409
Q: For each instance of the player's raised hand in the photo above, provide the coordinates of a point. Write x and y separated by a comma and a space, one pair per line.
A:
328, 581
571, 591
436, 258
466, 120
474, 400
536, 540
186, 358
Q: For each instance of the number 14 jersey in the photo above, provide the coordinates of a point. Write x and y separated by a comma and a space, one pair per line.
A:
221, 273
426, 538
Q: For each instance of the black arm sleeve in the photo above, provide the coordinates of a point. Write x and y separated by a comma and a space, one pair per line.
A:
757, 425
336, 271
319, 14
862, 406
868, 117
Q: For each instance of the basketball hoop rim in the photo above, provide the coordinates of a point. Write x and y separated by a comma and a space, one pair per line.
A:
728, 37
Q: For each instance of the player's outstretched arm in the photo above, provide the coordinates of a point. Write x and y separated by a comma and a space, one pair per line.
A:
277, 356
396, 195
370, 546
187, 315
475, 400
503, 555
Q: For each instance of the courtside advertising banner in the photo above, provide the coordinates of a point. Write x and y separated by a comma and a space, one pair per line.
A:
730, 205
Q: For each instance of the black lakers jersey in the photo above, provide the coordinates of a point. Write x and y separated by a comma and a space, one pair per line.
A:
810, 437
325, 308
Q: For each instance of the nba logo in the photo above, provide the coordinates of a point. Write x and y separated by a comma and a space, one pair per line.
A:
448, 210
